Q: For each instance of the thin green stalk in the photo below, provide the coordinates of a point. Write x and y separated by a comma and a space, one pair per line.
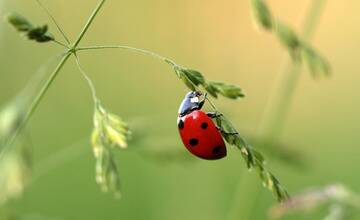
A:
273, 120
49, 82
61, 44
141, 51
62, 156
54, 20
279, 104
87, 78
35, 104
252, 157
88, 23
133, 49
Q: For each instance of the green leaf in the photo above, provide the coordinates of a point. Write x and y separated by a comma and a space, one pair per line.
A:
230, 91
180, 73
262, 14
226, 90
211, 89
191, 78
40, 34
195, 76
288, 37
316, 63
19, 22
188, 83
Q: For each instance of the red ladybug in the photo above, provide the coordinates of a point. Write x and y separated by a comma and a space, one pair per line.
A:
197, 131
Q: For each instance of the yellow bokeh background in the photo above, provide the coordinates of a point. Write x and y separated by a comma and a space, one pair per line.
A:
219, 39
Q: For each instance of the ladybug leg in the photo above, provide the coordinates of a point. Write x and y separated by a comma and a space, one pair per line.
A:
201, 104
227, 133
214, 114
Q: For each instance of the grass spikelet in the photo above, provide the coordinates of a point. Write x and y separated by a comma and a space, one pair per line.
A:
298, 48
109, 131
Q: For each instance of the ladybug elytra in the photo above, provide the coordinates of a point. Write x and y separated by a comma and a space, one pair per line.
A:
197, 130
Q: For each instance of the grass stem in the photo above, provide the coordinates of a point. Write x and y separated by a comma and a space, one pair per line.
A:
61, 44
87, 78
54, 20
35, 103
133, 49
276, 113
88, 23
279, 102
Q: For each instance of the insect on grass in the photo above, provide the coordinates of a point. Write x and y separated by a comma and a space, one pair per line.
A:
111, 132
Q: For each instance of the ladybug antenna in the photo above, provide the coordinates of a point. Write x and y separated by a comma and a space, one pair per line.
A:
197, 93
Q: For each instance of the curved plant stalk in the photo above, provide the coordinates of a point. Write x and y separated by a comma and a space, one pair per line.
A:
336, 196
25, 117
40, 35
22, 115
49, 82
193, 80
110, 131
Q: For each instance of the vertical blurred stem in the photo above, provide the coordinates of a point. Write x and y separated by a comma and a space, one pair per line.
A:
279, 103
244, 203
35, 103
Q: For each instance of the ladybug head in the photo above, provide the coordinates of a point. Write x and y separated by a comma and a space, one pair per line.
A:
190, 103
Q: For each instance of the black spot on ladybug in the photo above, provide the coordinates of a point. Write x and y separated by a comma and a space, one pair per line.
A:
193, 142
204, 125
181, 124
216, 150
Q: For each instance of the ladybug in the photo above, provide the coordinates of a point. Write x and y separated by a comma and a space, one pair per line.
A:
197, 130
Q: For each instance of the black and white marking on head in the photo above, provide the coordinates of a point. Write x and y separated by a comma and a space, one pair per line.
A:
193, 142
190, 102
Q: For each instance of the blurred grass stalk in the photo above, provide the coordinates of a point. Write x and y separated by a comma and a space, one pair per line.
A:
280, 101
14, 118
15, 170
336, 196
244, 204
49, 82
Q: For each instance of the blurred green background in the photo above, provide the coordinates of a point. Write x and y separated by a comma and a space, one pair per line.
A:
215, 37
